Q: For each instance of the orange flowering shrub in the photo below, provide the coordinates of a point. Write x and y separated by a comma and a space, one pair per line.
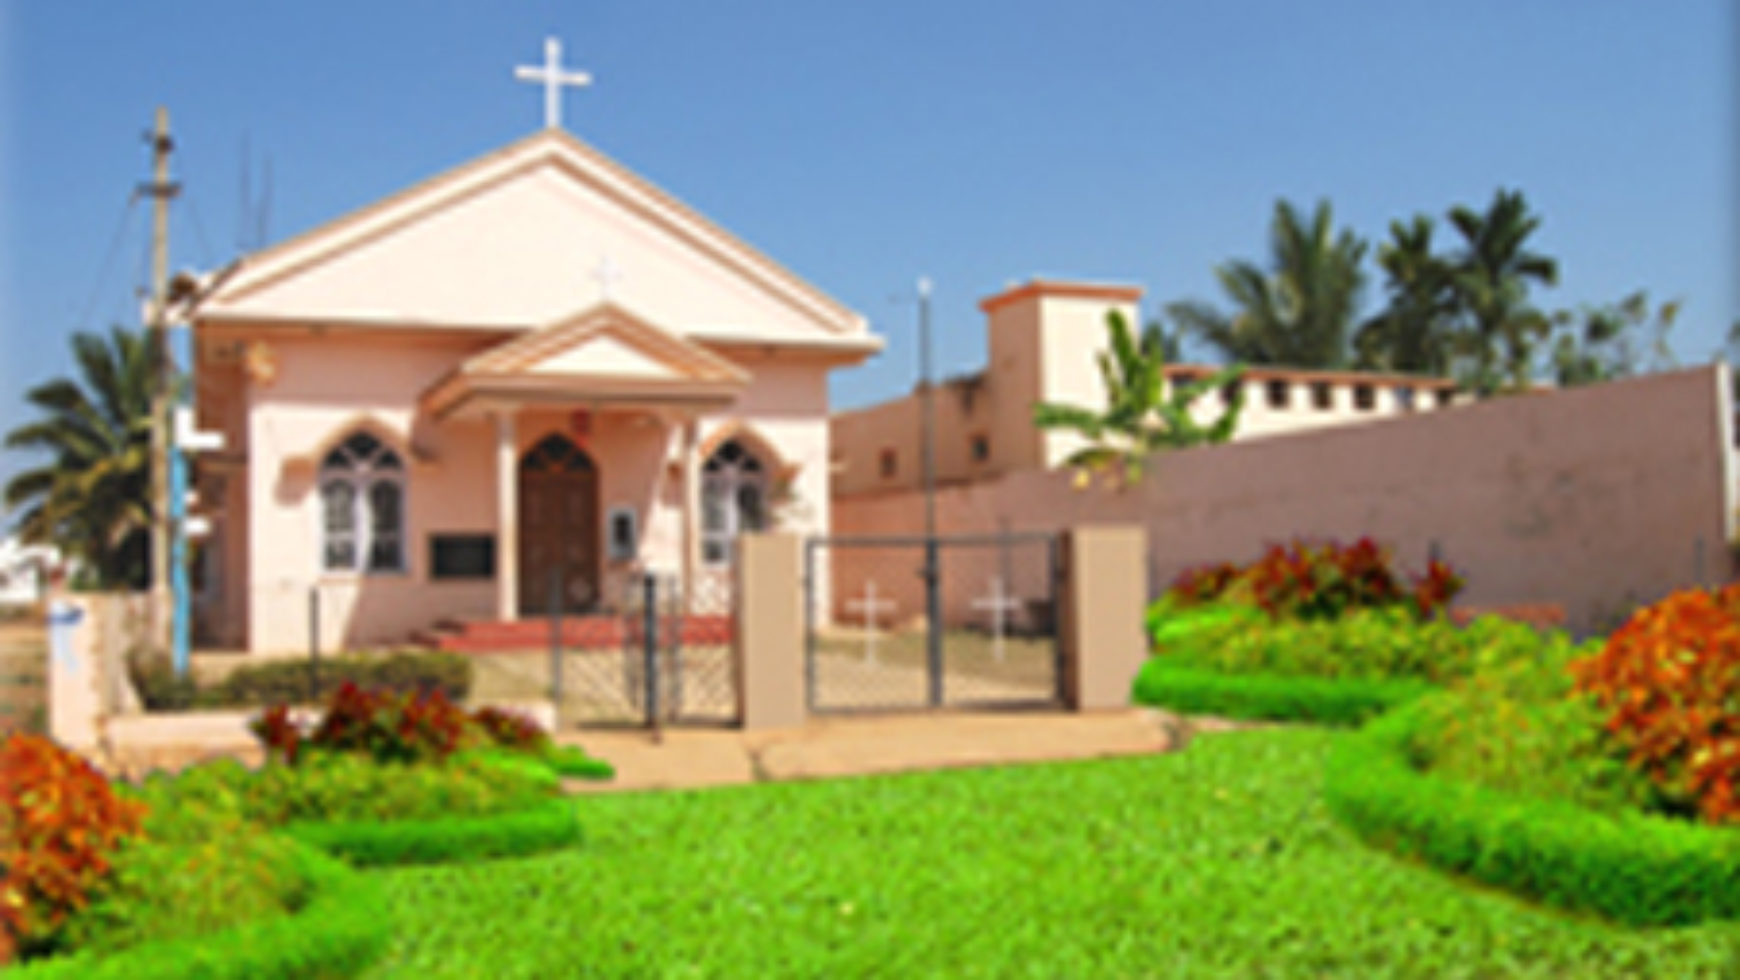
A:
1669, 683
59, 824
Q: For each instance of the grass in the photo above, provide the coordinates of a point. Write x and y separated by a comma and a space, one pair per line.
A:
1220, 860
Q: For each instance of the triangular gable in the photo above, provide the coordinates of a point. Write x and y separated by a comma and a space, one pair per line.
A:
605, 352
515, 239
610, 331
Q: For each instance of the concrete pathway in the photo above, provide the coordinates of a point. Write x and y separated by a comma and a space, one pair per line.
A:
852, 746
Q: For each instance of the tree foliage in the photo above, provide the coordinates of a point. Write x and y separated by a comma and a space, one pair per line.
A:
1416, 332
1618, 340
92, 496
1140, 417
1301, 311
1490, 276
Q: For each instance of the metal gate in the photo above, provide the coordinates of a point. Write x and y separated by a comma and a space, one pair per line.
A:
902, 623
653, 657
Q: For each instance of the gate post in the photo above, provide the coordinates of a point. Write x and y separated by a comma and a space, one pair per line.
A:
1103, 594
767, 648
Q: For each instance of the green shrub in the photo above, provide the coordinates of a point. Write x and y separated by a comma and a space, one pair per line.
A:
549, 826
201, 867
405, 672
162, 689
569, 760
1176, 628
1170, 683
1635, 868
1517, 726
1373, 644
339, 933
344, 786
288, 681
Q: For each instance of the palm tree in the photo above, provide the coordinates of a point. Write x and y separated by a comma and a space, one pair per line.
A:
1140, 418
1416, 331
1301, 313
1491, 278
92, 497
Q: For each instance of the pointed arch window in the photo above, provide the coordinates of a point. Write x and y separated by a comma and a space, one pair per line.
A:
733, 500
362, 503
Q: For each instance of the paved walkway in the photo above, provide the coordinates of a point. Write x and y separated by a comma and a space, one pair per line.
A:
851, 746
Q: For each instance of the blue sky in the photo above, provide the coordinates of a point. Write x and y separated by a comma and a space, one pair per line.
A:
866, 144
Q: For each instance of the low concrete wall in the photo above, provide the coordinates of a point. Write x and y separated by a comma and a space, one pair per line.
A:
1594, 498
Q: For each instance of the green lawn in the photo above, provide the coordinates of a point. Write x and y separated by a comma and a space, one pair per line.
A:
1216, 861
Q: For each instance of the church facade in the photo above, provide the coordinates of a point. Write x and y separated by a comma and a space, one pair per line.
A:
513, 386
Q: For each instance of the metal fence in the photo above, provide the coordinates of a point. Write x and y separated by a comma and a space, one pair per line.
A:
898, 623
647, 655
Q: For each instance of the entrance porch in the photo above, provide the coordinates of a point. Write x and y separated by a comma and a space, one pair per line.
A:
596, 442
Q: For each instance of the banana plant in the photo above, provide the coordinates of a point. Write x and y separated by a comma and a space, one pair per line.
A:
1140, 417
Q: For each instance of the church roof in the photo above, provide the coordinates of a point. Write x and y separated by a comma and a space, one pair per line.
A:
509, 241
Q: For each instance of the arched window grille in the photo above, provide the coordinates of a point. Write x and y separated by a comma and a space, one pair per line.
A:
733, 500
362, 502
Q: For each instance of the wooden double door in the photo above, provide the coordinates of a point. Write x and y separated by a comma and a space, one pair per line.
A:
559, 529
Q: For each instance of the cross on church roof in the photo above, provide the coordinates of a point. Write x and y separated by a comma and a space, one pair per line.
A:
553, 78
608, 275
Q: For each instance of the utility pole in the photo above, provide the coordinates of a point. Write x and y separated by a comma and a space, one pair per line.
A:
932, 572
161, 189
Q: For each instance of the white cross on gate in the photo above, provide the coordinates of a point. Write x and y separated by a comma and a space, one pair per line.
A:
1001, 604
870, 605
553, 78
608, 275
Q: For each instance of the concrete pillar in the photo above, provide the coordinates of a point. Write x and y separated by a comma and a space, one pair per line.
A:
507, 523
768, 646
691, 536
75, 703
1104, 596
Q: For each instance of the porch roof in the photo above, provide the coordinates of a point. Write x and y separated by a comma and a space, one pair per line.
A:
604, 356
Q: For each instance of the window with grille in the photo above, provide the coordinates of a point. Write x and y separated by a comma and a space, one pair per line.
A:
362, 502
733, 500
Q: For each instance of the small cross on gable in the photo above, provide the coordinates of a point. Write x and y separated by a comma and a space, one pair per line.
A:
552, 77
608, 275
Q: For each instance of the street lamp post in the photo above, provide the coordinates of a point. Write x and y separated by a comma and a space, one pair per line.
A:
932, 582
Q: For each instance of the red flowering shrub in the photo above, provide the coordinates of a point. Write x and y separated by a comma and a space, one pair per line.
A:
59, 825
280, 736
1307, 580
397, 727
391, 728
511, 730
1433, 591
1194, 586
1669, 682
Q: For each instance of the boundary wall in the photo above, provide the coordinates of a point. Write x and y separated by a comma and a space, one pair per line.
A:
1597, 498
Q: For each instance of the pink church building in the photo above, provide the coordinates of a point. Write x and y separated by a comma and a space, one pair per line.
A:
533, 375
